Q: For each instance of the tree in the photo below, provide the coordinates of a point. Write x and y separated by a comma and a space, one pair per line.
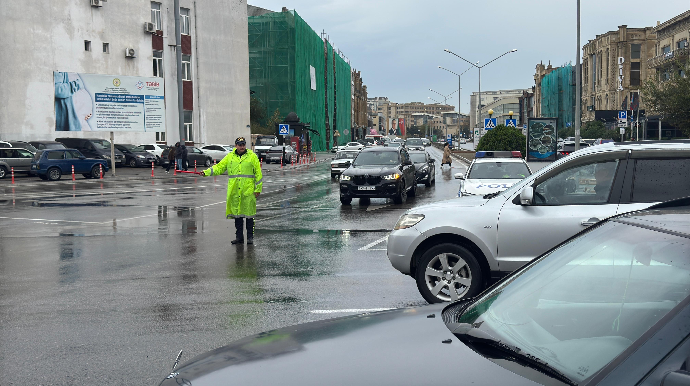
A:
597, 129
270, 127
671, 98
503, 138
257, 111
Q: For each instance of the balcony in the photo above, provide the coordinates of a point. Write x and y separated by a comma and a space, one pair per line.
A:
665, 58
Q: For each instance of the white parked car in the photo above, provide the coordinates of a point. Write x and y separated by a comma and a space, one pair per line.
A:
491, 172
155, 149
217, 152
343, 159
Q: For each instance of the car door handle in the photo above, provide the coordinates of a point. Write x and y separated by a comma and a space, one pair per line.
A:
591, 221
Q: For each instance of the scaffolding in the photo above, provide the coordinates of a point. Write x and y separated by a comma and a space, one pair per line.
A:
283, 49
558, 96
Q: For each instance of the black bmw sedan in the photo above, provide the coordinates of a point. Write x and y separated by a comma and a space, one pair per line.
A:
381, 172
610, 306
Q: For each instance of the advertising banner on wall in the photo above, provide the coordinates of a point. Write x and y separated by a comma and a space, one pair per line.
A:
401, 125
91, 102
542, 139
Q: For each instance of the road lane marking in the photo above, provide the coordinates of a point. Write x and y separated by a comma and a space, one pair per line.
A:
351, 310
368, 246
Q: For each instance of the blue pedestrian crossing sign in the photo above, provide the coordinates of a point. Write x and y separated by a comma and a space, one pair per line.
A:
489, 123
449, 139
511, 123
283, 129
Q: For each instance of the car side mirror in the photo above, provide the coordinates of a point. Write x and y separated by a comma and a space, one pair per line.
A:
458, 176
677, 378
527, 196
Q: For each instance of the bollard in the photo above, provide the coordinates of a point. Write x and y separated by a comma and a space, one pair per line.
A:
100, 167
175, 169
73, 173
214, 174
151, 169
194, 166
12, 171
281, 162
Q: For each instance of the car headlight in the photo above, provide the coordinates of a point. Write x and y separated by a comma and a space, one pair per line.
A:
408, 220
345, 178
141, 156
424, 168
394, 176
106, 157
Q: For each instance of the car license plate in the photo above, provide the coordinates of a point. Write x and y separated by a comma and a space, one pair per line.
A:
366, 188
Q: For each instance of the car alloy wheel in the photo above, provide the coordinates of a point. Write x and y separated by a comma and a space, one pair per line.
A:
208, 162
3, 172
54, 174
413, 189
402, 194
95, 171
448, 272
345, 200
133, 163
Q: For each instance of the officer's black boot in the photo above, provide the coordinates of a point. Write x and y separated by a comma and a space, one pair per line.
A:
250, 231
238, 231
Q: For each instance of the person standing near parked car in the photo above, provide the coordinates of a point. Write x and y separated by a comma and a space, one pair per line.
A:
244, 186
184, 163
178, 156
446, 155
171, 158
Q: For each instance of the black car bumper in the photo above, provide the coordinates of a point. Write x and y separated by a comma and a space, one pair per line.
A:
383, 189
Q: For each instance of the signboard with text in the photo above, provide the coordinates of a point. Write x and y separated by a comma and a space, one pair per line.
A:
91, 102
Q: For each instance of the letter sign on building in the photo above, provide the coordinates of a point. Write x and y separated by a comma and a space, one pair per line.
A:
621, 60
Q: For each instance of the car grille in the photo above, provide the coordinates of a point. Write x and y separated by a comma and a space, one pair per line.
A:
369, 180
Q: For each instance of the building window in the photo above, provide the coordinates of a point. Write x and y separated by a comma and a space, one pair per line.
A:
158, 63
681, 44
156, 16
186, 67
188, 128
184, 21
106, 48
160, 136
87, 45
635, 73
635, 51
594, 72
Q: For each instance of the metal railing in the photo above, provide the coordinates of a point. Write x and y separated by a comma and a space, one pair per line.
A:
667, 57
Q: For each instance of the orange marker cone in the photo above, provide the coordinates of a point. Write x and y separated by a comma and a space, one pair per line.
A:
73, 173
12, 170
151, 169
100, 167
194, 166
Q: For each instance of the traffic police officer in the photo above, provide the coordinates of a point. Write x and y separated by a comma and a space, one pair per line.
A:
244, 186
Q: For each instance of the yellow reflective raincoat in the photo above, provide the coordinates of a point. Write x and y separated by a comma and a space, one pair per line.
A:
246, 179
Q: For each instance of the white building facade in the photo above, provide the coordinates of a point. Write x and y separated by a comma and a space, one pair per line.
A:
91, 37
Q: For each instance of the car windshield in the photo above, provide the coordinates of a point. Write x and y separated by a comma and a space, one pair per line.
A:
137, 149
228, 148
101, 144
26, 146
394, 144
414, 142
377, 158
499, 170
354, 144
581, 305
346, 155
418, 158
56, 145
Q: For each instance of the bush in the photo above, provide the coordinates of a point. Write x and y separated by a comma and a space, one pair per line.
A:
503, 138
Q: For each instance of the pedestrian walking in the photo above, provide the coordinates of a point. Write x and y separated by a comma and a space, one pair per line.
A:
183, 155
244, 186
178, 156
446, 155
171, 157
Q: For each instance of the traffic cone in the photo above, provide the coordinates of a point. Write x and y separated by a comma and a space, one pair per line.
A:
73, 173
175, 170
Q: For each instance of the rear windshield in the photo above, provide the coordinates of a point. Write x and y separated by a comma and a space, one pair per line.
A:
499, 170
418, 158
346, 155
377, 158
101, 144
55, 145
415, 142
266, 141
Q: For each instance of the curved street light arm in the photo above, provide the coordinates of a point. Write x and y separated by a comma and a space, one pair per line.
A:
513, 50
434, 100
453, 53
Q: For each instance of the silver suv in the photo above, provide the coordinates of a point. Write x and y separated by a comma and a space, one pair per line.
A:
456, 248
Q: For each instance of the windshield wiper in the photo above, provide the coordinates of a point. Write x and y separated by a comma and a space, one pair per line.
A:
473, 336
491, 195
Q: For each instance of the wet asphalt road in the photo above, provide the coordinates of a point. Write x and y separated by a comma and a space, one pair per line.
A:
104, 281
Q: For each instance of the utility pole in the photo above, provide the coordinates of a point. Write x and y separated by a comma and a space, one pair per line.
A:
178, 51
578, 85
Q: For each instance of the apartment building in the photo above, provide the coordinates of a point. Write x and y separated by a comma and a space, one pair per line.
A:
390, 111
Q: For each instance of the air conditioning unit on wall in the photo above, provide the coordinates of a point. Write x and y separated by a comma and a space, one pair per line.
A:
130, 52
149, 27
96, 3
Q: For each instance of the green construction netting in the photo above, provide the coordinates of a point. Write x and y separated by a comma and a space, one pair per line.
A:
558, 96
282, 49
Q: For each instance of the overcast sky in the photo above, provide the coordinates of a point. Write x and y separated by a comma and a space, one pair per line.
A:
398, 44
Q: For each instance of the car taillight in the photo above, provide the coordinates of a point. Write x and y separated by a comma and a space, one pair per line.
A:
516, 154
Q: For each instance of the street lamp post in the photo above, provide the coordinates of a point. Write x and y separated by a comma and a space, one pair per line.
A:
445, 99
479, 101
